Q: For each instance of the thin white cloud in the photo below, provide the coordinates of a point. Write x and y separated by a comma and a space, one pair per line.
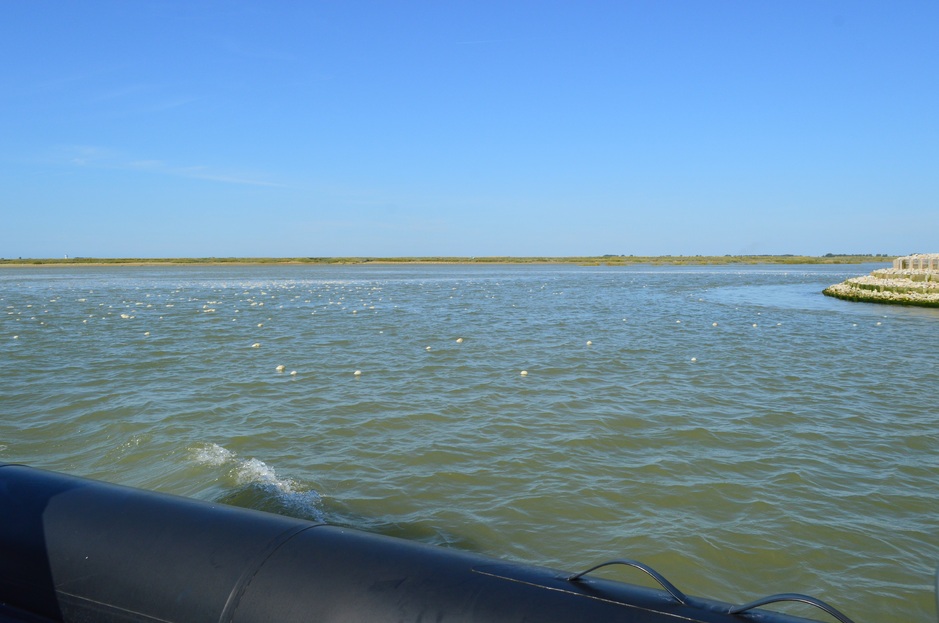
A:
83, 155
151, 165
116, 93
201, 173
240, 49
482, 41
134, 100
62, 82
92, 156
167, 104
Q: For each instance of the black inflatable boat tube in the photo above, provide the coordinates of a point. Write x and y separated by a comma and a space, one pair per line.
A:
78, 550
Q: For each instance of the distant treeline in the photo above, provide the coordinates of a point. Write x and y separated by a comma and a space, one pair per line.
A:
610, 260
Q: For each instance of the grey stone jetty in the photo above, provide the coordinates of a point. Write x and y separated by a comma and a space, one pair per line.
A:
913, 280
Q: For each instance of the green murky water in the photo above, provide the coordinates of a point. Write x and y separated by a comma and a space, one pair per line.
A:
729, 426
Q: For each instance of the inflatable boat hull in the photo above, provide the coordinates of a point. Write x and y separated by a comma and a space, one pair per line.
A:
78, 550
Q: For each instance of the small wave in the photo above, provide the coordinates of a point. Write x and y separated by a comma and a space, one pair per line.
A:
258, 485
212, 454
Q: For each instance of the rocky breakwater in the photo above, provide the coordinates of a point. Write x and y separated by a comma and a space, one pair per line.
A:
897, 286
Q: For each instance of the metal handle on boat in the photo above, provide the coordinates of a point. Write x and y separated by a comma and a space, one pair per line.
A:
655, 575
812, 601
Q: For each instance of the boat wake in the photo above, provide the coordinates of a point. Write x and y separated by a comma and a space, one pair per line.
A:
255, 484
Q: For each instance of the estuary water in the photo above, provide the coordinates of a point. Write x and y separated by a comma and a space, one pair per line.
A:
730, 426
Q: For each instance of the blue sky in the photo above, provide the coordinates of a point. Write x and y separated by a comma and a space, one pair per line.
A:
191, 128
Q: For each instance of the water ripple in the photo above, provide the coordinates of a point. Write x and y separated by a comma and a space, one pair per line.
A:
730, 426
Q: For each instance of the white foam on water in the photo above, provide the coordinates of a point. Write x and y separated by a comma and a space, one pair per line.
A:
254, 470
212, 454
288, 492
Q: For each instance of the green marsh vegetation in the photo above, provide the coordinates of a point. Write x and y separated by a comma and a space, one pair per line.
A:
601, 260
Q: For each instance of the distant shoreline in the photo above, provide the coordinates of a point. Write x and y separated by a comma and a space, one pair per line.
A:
604, 260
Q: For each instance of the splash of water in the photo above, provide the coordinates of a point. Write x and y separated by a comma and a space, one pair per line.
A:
258, 484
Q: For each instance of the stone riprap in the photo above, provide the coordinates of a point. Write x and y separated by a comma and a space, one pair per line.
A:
900, 285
